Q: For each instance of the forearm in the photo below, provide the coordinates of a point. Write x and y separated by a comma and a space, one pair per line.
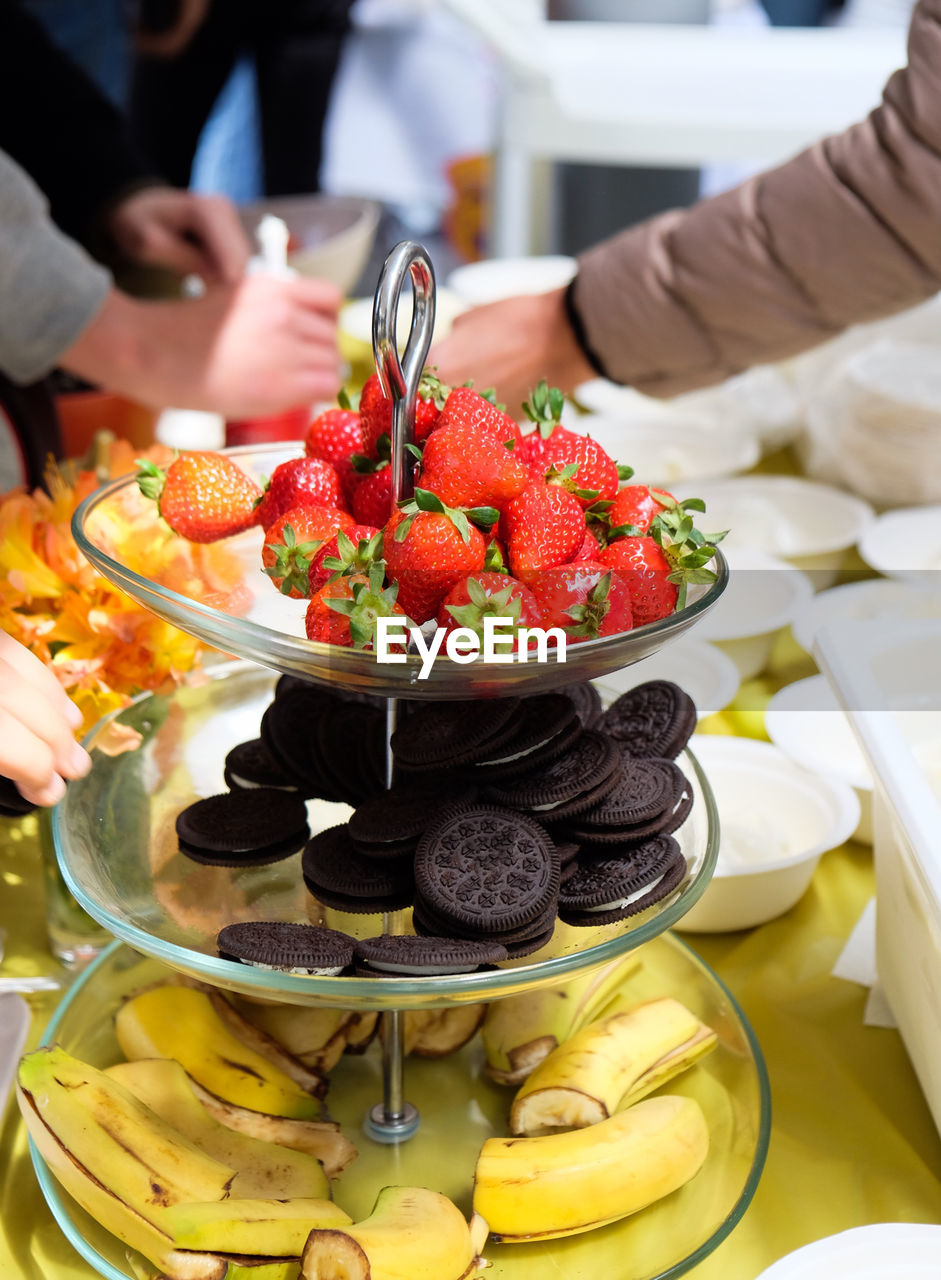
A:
843, 233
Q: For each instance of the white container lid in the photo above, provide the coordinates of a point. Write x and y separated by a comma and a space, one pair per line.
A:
872, 599
806, 720
763, 594
905, 543
881, 1251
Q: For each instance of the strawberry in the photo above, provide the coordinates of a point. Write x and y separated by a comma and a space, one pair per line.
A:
292, 542
544, 526
334, 436
428, 548
544, 408
376, 411
636, 505
588, 550
372, 497
299, 482
465, 408
466, 465
489, 595
351, 550
645, 572
345, 611
587, 600
202, 496
595, 478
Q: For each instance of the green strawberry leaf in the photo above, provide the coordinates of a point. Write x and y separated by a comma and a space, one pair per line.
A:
624, 472
484, 517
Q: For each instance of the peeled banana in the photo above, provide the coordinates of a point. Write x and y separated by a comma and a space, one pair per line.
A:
625, 1055
520, 1031
263, 1169
411, 1234
565, 1183
180, 1022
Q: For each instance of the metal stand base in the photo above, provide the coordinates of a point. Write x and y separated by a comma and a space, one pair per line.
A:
383, 1127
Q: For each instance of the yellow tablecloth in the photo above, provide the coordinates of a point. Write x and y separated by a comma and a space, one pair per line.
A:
852, 1139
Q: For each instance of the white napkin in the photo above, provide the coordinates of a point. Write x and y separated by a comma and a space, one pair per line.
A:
857, 963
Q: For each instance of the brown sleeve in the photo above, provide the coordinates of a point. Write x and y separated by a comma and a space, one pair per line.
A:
847, 231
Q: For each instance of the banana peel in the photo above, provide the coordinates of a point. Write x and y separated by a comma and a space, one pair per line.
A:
436, 1033
311, 1081
566, 1183
269, 1228
180, 1022
411, 1234
263, 1169
520, 1031
624, 1056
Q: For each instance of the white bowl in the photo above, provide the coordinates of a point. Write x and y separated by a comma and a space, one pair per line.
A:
905, 543
807, 722
776, 820
333, 235
872, 598
880, 1251
670, 451
811, 525
763, 596
497, 278
708, 676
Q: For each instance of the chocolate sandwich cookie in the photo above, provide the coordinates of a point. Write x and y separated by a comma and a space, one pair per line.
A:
573, 781
438, 736
411, 954
244, 827
390, 823
12, 804
612, 888
642, 790
653, 719
288, 733
486, 870
341, 877
250, 764
674, 814
587, 702
545, 725
293, 948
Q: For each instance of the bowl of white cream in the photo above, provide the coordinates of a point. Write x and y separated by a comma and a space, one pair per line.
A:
776, 820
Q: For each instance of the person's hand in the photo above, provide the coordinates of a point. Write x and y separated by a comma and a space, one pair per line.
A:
182, 231
510, 346
37, 721
266, 345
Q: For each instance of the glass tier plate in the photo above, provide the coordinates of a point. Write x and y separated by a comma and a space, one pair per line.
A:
220, 595
460, 1107
117, 847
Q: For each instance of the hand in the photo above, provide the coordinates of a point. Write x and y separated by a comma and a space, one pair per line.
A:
511, 345
266, 345
185, 232
37, 721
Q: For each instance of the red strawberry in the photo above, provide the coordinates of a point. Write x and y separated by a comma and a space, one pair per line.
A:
544, 408
645, 571
489, 595
292, 542
534, 449
428, 551
466, 465
372, 497
299, 482
466, 407
334, 436
637, 505
595, 478
587, 600
588, 550
345, 611
202, 496
350, 550
544, 526
377, 413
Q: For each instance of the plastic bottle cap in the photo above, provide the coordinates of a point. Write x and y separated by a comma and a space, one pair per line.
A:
190, 429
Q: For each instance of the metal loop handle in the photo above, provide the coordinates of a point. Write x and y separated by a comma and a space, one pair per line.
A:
399, 379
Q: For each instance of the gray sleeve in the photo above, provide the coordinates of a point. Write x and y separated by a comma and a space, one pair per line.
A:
50, 289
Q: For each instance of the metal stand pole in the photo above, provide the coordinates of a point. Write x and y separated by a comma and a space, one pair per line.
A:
394, 1119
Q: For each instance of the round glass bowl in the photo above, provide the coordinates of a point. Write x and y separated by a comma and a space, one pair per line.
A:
116, 841
219, 594
461, 1107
